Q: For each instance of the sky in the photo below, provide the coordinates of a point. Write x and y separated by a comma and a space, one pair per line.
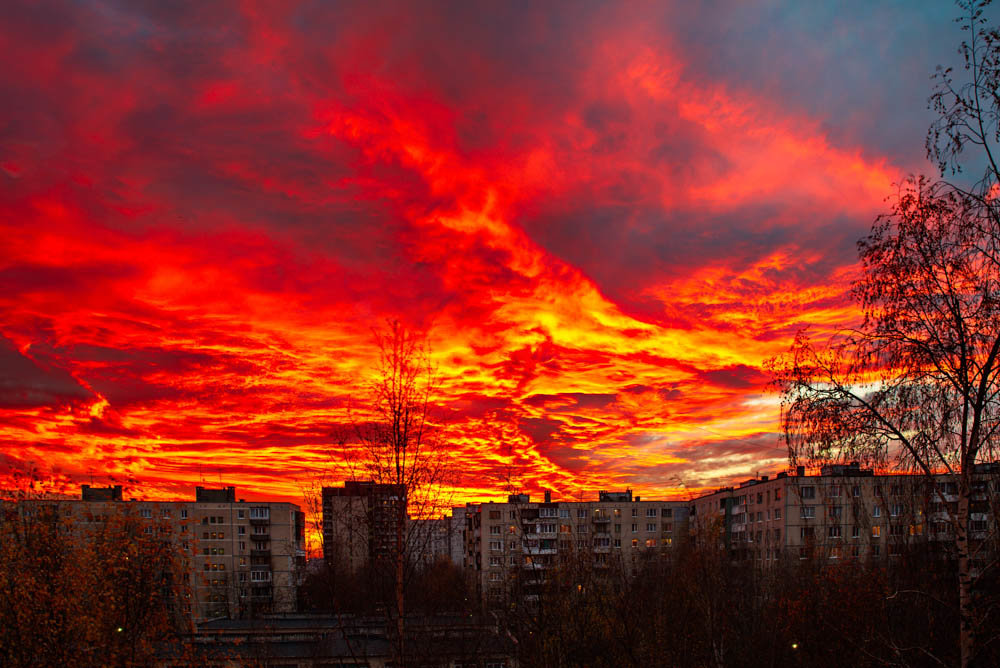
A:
606, 217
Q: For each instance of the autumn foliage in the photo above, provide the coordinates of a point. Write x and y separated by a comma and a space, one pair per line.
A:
85, 591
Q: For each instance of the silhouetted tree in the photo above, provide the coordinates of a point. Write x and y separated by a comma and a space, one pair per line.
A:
392, 443
917, 385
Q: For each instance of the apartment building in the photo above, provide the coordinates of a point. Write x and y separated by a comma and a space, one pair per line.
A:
439, 539
360, 523
512, 546
845, 512
243, 557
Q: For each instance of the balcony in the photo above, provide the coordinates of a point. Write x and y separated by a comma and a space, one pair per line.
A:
260, 520
260, 536
254, 552
539, 550
601, 520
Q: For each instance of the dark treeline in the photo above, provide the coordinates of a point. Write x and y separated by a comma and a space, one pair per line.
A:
701, 609
437, 588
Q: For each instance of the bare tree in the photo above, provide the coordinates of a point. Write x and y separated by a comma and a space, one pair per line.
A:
916, 386
392, 444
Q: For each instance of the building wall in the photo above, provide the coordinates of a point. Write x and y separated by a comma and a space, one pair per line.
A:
359, 523
845, 512
518, 542
243, 557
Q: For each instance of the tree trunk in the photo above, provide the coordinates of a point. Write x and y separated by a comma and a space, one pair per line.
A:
400, 529
964, 573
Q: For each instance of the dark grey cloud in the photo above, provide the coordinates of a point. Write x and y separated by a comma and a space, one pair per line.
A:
25, 383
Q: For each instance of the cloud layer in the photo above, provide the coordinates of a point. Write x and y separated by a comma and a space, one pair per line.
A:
606, 219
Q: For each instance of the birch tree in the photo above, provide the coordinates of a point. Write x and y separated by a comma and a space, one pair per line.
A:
916, 386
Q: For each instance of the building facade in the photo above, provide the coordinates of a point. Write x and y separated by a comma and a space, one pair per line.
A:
844, 512
243, 558
360, 524
360, 527
515, 545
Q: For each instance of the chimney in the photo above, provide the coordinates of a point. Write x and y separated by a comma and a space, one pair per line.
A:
800, 470
548, 496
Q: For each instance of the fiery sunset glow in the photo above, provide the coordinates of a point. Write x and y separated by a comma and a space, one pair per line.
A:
605, 217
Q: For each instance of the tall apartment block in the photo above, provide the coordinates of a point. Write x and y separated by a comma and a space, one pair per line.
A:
244, 557
845, 512
360, 523
359, 528
515, 544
